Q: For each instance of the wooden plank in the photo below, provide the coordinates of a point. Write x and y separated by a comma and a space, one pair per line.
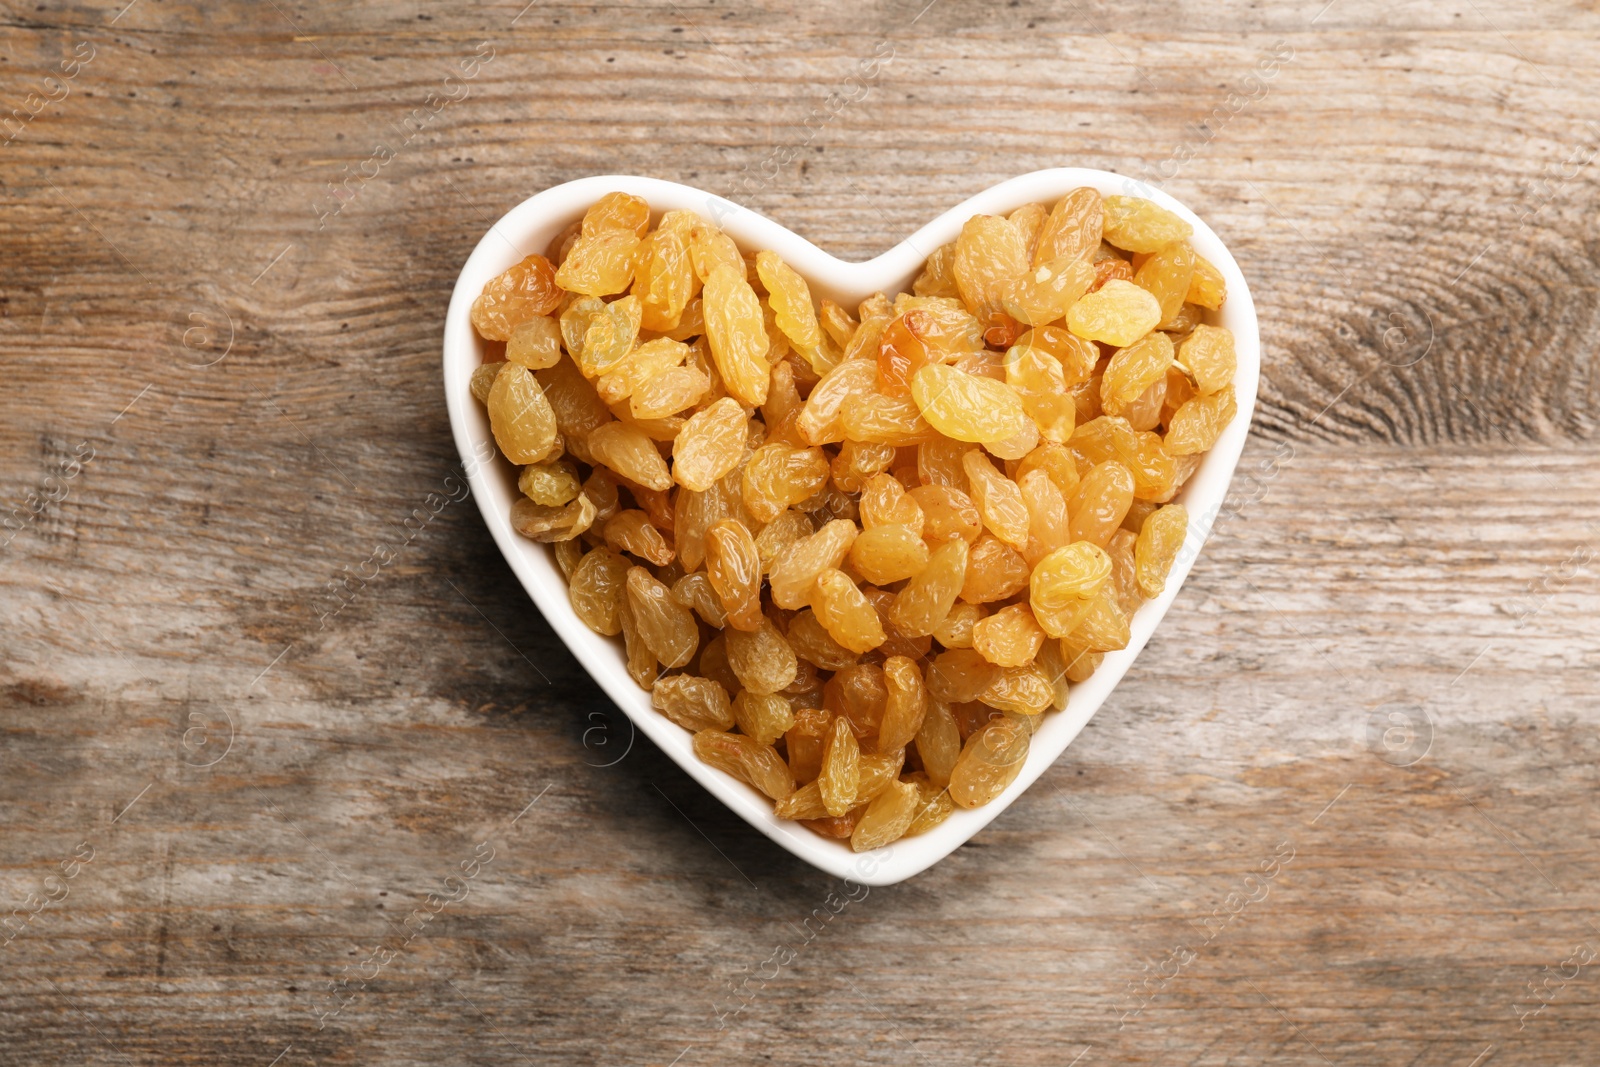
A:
254, 794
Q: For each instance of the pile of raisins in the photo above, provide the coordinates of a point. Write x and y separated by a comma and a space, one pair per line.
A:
859, 555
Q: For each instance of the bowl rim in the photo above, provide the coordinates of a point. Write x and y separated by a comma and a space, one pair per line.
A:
529, 226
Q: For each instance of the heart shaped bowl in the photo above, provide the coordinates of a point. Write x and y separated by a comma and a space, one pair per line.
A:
530, 226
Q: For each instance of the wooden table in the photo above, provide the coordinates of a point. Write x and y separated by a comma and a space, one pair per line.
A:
1342, 811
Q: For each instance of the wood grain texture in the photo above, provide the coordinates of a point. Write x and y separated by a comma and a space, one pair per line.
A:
249, 397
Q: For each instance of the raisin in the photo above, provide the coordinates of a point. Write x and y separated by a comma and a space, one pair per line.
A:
847, 615
989, 252
693, 703
795, 570
762, 659
535, 343
821, 420
746, 759
632, 532
956, 630
888, 553
1133, 370
948, 514
664, 278
888, 420
1063, 585
938, 274
541, 523
553, 483
998, 500
814, 644
710, 445
694, 591
840, 775
989, 761
967, 407
630, 453
902, 352
1118, 313
1210, 358
1100, 503
520, 416
885, 502
667, 627
1207, 288
938, 743
1008, 638
738, 336
734, 567
1139, 225
1159, 542
596, 589
887, 818
1072, 228
1043, 294
1038, 379
1166, 276
1196, 426
524, 291
905, 705
927, 598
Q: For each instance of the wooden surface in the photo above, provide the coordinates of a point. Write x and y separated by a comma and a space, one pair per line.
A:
1342, 812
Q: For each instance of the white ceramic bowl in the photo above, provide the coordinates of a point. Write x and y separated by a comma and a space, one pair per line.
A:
530, 226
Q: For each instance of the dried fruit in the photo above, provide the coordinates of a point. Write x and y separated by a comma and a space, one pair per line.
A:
762, 717
1166, 276
761, 659
1139, 225
1118, 313
967, 407
667, 627
630, 453
734, 567
522, 292
738, 336
1207, 287
989, 253
795, 570
693, 703
927, 598
778, 476
847, 615
596, 589
746, 759
710, 445
523, 423
840, 776
998, 500
1100, 503
1064, 583
887, 818
1072, 229
906, 703
535, 343
893, 537
1008, 638
1133, 370
553, 483
1209, 356
631, 531
538, 522
989, 761
1196, 426
887, 554
1159, 541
